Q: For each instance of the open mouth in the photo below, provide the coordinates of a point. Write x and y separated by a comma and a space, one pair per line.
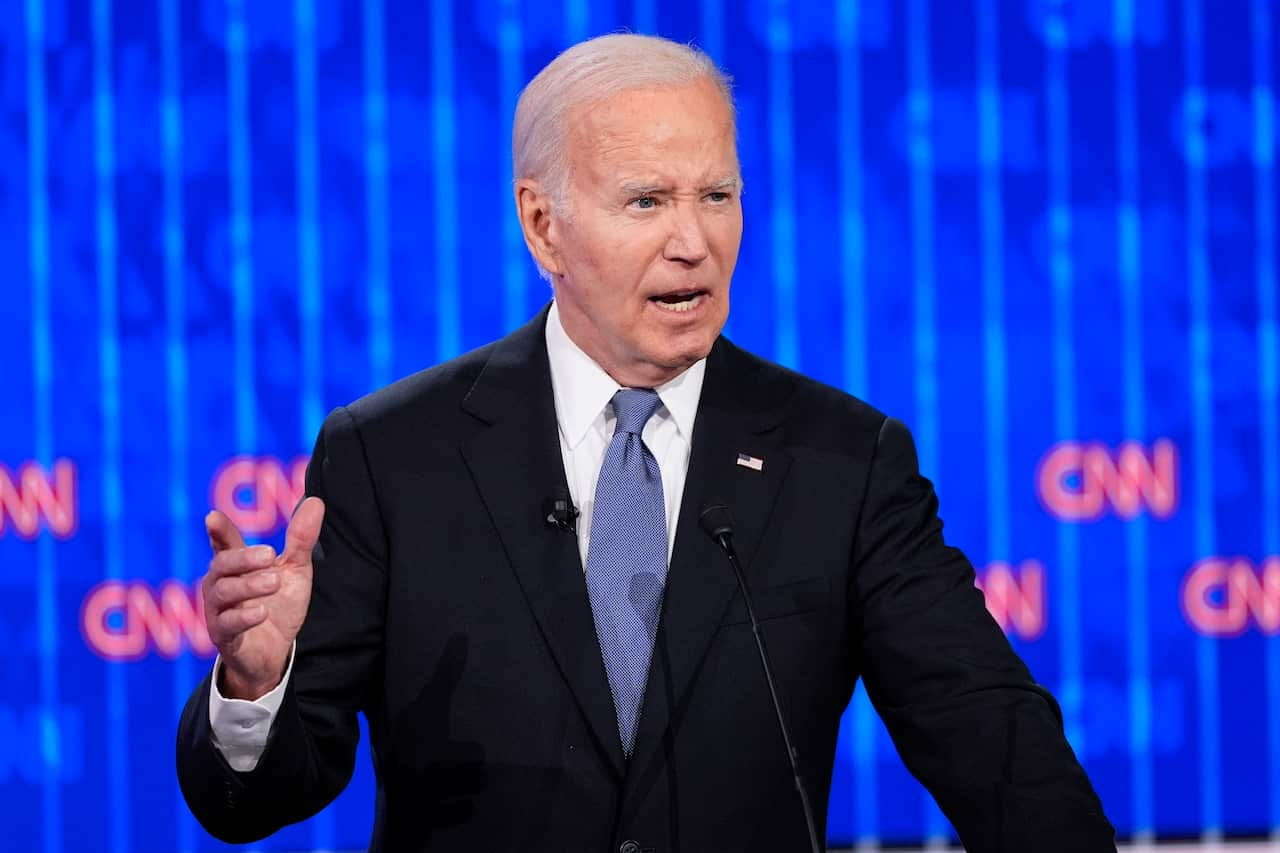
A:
679, 301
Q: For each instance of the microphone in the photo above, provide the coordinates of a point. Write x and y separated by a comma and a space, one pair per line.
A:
716, 521
560, 513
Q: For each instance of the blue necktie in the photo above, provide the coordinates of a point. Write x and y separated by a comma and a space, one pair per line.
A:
627, 557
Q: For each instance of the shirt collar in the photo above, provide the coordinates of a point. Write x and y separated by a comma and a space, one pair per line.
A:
582, 389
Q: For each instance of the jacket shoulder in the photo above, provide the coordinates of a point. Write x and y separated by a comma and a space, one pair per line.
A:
813, 411
415, 405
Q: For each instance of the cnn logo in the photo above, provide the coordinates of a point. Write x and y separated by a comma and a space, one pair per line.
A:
259, 493
1224, 597
1083, 481
32, 498
127, 620
1015, 597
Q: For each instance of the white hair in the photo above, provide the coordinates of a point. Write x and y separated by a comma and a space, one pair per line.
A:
594, 70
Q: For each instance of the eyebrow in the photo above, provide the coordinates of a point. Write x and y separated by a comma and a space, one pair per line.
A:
643, 189
639, 189
729, 182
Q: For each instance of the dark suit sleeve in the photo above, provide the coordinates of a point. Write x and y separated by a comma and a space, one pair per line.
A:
336, 670
961, 707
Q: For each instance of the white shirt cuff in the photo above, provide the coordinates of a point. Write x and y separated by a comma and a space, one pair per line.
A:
240, 726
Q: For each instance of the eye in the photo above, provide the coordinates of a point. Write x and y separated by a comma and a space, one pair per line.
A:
644, 202
718, 197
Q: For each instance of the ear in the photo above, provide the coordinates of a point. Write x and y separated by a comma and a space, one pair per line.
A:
533, 206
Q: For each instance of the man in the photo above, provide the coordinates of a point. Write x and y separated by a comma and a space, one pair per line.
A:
528, 688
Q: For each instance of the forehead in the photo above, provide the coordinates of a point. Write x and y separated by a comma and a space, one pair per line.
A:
676, 130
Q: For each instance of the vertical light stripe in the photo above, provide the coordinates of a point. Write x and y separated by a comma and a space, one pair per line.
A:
444, 133
866, 800
991, 208
645, 17
1264, 181
118, 775
181, 557
1062, 277
782, 164
240, 167
515, 297
713, 29
577, 17
377, 225
920, 155
853, 330
1129, 245
854, 348
852, 213
1201, 392
310, 272
42, 368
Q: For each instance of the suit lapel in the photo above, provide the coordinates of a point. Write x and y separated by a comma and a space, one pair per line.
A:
739, 412
516, 464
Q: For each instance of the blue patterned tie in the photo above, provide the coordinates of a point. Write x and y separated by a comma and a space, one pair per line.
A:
627, 557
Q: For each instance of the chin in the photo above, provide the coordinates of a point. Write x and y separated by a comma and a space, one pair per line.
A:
685, 356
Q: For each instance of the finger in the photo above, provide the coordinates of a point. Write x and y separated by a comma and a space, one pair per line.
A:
304, 530
241, 561
231, 592
223, 535
240, 619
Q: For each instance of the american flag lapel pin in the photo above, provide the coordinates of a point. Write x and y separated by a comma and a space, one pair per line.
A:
755, 463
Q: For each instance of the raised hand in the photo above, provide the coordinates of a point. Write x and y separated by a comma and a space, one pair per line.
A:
255, 599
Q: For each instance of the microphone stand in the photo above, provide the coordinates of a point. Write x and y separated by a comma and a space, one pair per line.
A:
716, 521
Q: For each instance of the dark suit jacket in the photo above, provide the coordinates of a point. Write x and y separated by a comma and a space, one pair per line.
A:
448, 611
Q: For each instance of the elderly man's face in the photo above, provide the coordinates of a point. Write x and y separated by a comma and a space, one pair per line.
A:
645, 256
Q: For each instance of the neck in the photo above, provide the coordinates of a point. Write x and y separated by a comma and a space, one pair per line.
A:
633, 374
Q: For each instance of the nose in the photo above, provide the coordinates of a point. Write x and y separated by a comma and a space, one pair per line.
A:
687, 242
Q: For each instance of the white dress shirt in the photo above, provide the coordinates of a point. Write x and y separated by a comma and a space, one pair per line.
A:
583, 392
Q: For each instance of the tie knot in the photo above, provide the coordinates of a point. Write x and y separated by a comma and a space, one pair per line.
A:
633, 408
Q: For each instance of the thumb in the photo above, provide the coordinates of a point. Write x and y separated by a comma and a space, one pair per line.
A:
304, 530
223, 535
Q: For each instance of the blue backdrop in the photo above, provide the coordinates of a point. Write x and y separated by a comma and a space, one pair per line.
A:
1042, 232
